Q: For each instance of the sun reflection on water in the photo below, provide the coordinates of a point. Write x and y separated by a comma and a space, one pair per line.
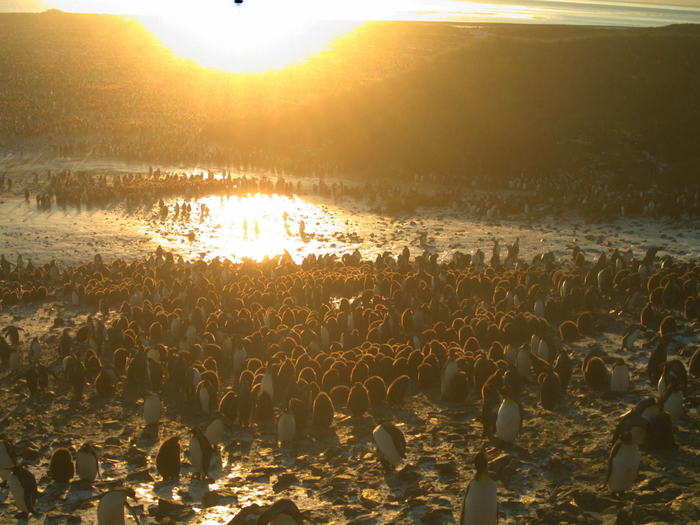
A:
252, 226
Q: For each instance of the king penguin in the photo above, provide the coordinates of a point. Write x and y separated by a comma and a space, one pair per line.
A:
86, 464
390, 443
623, 464
509, 420
110, 510
200, 452
480, 503
22, 484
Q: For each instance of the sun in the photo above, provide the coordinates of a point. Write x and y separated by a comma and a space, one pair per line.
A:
248, 38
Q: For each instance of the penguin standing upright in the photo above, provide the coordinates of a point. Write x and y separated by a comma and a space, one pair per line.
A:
168, 459
8, 455
151, 410
110, 510
86, 464
620, 377
509, 420
61, 468
623, 464
672, 401
390, 443
200, 452
23, 487
286, 427
216, 430
480, 503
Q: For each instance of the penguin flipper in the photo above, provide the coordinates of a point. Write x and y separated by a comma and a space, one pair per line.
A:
612, 455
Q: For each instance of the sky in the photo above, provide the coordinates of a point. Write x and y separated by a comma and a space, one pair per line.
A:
269, 34
368, 9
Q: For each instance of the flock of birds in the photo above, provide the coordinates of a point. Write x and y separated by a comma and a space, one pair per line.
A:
287, 345
592, 197
77, 189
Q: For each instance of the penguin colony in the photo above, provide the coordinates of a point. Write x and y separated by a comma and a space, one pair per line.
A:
586, 194
202, 350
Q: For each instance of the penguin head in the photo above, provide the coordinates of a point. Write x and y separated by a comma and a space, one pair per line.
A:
481, 462
626, 437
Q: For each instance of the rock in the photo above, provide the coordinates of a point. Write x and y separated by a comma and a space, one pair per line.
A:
140, 475
171, 509
437, 516
446, 469
592, 502
247, 514
284, 481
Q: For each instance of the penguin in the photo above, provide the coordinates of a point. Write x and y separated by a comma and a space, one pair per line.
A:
480, 502
200, 452
86, 463
660, 430
286, 428
563, 367
267, 384
673, 372
550, 390
672, 402
168, 459
323, 411
8, 455
595, 372
61, 468
620, 377
358, 400
104, 385
657, 360
390, 443
449, 373
523, 363
23, 487
623, 464
509, 420
633, 422
216, 430
151, 410
205, 396
282, 512
110, 510
12, 332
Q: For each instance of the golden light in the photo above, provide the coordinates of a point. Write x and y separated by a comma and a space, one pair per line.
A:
262, 35
252, 226
251, 38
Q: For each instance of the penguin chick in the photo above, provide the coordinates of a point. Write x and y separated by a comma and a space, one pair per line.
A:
61, 468
168, 459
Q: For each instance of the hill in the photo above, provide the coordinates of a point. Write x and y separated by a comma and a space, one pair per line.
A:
389, 98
